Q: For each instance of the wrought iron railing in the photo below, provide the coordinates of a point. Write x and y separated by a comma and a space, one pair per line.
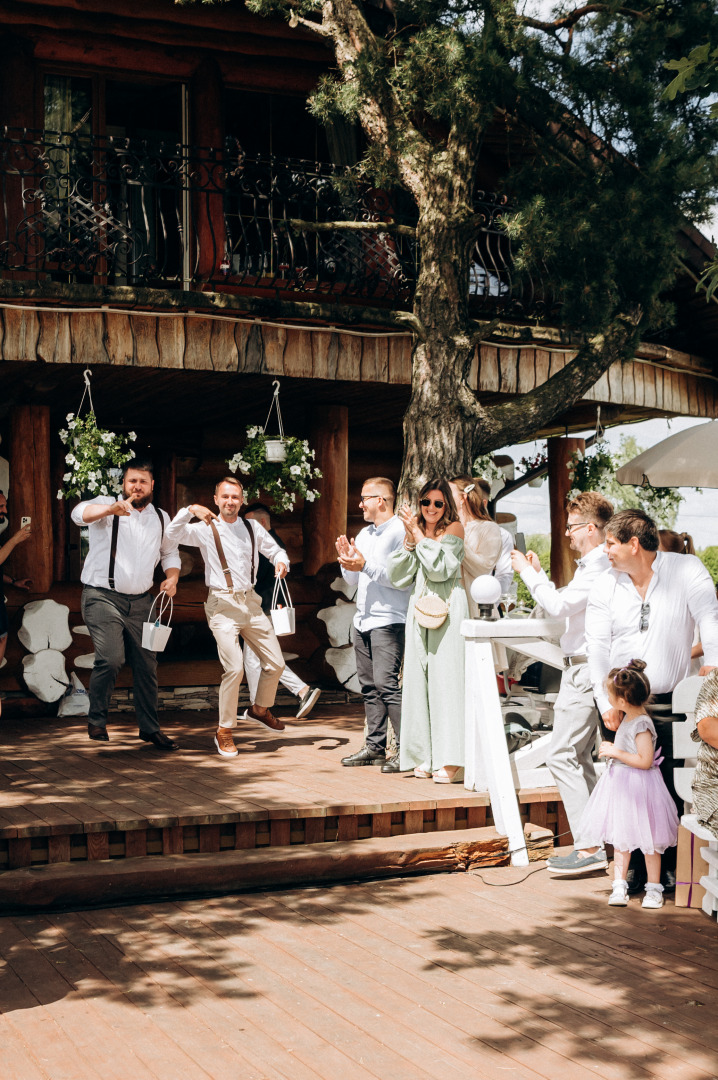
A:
129, 212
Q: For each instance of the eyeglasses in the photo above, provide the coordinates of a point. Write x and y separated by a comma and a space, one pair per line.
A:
438, 503
645, 612
577, 525
365, 498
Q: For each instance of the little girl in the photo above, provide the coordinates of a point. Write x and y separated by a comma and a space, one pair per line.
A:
630, 807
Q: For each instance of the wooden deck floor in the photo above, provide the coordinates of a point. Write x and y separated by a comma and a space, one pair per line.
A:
441, 977
63, 797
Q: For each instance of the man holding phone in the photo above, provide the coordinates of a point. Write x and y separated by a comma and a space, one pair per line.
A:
575, 718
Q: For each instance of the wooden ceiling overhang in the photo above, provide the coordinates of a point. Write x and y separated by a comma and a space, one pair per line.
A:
207, 357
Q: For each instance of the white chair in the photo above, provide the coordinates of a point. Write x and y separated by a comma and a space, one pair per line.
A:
684, 701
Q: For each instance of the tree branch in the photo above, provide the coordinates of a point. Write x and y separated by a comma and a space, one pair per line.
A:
358, 226
567, 22
503, 424
316, 28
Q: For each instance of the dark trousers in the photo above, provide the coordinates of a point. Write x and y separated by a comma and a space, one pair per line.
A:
115, 624
379, 653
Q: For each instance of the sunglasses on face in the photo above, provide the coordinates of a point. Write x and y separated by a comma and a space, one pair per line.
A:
438, 503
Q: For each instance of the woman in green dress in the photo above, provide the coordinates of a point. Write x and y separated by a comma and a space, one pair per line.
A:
432, 709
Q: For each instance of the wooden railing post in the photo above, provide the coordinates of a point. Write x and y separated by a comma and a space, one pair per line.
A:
563, 559
31, 493
326, 518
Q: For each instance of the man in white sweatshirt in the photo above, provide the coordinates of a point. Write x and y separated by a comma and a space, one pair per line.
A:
575, 715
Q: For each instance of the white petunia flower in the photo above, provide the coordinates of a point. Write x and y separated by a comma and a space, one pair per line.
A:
70, 416
103, 489
294, 470
101, 451
92, 485
70, 459
310, 496
63, 434
72, 425
60, 493
66, 477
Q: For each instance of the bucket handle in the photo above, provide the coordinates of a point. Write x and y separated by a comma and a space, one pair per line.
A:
165, 602
281, 591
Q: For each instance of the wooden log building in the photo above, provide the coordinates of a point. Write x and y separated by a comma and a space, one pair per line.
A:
158, 168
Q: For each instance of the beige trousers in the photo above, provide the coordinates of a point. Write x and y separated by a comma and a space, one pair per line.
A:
232, 614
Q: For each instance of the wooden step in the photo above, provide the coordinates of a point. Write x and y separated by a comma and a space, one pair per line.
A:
108, 881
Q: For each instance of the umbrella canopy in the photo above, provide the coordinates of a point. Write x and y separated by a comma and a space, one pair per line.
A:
687, 459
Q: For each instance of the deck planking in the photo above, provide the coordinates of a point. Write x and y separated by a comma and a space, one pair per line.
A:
466, 976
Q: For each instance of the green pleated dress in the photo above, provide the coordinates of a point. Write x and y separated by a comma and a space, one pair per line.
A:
432, 707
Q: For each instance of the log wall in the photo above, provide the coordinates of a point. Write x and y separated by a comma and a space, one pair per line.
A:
658, 379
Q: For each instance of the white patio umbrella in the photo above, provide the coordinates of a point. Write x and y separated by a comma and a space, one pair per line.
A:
687, 459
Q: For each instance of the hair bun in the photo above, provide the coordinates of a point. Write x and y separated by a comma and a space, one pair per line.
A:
636, 665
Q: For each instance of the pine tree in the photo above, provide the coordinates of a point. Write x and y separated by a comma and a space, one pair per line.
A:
609, 168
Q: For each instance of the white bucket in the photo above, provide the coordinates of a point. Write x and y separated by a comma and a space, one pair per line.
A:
282, 616
155, 634
275, 449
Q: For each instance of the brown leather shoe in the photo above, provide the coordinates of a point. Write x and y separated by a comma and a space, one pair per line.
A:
225, 743
158, 739
99, 734
267, 718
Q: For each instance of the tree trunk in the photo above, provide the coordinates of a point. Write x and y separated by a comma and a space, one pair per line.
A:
563, 565
441, 417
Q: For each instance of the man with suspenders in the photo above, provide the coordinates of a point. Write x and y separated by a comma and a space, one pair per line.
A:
229, 547
128, 537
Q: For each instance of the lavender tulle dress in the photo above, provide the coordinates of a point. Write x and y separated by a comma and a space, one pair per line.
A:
631, 808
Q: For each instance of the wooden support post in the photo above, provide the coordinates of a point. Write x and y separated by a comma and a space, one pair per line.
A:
31, 494
562, 558
207, 120
165, 491
326, 518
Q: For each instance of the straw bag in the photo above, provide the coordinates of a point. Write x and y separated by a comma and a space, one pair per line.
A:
155, 634
431, 611
282, 616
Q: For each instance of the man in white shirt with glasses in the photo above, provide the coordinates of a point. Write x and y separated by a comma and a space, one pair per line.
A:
379, 623
575, 718
647, 607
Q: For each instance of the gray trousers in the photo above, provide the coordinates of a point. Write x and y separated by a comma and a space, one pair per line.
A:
115, 624
379, 653
575, 722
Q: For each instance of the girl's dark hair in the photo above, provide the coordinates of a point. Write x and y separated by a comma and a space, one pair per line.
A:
680, 543
630, 682
450, 512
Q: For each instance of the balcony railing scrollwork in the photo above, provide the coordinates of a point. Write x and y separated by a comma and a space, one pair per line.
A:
120, 211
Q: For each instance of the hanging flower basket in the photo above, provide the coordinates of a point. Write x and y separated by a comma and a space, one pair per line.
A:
488, 470
279, 468
95, 457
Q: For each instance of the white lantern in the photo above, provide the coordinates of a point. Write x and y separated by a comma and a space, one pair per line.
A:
486, 591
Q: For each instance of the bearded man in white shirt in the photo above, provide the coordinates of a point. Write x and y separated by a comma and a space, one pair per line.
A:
575, 718
647, 607
128, 537
229, 546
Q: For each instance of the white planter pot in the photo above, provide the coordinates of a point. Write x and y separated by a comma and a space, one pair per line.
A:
276, 450
536, 482
496, 486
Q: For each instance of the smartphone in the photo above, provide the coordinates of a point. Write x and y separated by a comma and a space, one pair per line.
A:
520, 543
25, 521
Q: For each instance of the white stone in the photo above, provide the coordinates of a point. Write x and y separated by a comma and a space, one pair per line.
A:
87, 660
338, 620
45, 625
343, 661
45, 675
342, 586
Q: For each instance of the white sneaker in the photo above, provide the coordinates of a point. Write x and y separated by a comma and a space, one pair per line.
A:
619, 895
653, 899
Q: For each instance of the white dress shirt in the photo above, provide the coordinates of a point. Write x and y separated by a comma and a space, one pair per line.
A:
379, 603
236, 545
570, 601
680, 595
140, 546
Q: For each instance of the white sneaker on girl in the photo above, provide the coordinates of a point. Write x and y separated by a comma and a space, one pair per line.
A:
654, 896
619, 894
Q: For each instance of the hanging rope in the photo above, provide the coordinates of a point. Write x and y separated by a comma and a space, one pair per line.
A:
87, 392
275, 404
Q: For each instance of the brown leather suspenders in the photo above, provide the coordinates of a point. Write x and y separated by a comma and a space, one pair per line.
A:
223, 560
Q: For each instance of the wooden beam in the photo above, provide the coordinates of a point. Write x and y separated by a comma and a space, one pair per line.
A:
562, 558
326, 518
31, 494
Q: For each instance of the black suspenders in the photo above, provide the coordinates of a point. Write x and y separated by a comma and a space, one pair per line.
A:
113, 543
